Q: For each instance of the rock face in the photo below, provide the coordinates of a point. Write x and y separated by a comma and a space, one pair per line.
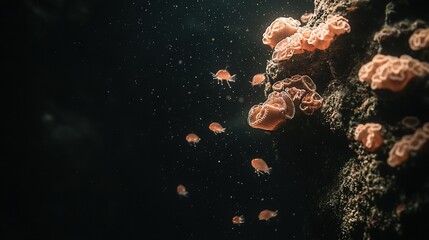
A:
350, 192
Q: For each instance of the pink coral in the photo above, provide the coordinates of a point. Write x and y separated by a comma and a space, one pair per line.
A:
287, 47
305, 34
306, 39
393, 73
310, 103
271, 114
370, 135
279, 29
306, 16
321, 37
302, 90
280, 104
368, 70
419, 39
337, 24
399, 153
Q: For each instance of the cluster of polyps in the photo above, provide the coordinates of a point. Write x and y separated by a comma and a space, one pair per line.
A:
272, 113
287, 38
280, 104
393, 73
370, 135
302, 91
419, 39
408, 143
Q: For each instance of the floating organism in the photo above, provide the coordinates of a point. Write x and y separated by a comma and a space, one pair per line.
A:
258, 79
260, 166
181, 190
238, 220
267, 214
216, 127
193, 139
223, 75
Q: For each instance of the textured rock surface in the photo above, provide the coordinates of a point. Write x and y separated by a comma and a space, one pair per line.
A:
351, 193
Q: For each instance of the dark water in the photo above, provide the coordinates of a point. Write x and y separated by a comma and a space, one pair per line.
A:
103, 94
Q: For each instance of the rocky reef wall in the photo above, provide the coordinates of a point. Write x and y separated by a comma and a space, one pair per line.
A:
348, 191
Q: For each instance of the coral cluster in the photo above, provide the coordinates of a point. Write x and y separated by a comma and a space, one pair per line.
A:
408, 143
370, 135
393, 73
272, 113
419, 39
279, 105
302, 90
307, 39
279, 29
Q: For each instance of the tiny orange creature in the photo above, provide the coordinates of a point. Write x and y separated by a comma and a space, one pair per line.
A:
260, 166
267, 214
216, 128
181, 190
193, 139
238, 219
224, 75
258, 79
